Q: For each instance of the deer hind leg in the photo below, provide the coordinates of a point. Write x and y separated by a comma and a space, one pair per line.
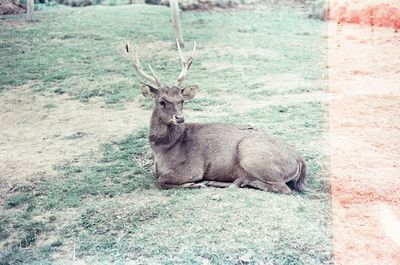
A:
240, 182
253, 180
277, 187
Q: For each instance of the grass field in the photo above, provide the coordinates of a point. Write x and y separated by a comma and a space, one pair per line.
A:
266, 68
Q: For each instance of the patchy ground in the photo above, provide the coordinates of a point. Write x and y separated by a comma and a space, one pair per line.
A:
39, 131
76, 177
77, 183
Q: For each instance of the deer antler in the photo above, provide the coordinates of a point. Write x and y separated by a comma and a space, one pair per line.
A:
185, 63
136, 64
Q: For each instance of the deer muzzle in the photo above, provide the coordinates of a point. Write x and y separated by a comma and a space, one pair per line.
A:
179, 118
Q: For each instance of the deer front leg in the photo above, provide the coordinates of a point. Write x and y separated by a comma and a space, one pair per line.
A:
190, 185
215, 184
167, 181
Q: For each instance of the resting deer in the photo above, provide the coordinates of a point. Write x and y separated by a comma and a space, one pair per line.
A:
194, 155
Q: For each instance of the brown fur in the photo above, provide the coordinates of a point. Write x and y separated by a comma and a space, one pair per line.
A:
194, 155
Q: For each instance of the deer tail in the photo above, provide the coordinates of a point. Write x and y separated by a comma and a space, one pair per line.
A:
298, 182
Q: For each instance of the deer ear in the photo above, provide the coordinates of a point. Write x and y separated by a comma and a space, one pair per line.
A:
148, 91
189, 92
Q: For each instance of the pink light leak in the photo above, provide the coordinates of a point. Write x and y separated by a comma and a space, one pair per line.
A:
383, 13
364, 130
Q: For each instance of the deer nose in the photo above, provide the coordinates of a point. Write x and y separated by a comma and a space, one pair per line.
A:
179, 118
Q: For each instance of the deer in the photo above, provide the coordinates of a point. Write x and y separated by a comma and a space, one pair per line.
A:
221, 155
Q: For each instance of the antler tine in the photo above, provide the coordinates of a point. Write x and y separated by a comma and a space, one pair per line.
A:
136, 64
180, 52
194, 48
155, 76
185, 63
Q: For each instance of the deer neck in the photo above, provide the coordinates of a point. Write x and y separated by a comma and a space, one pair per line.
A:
164, 135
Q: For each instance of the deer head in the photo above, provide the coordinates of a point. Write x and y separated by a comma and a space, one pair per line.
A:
168, 100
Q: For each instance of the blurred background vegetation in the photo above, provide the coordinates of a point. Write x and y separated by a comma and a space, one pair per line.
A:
315, 6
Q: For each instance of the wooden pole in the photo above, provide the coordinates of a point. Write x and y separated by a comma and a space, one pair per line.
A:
30, 10
176, 22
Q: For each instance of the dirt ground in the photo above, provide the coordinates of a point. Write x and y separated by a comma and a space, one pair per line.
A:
364, 75
39, 132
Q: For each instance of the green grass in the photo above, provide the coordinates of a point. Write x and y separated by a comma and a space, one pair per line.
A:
121, 215
196, 104
106, 203
80, 51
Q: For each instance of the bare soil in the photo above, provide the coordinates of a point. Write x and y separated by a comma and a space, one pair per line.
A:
39, 132
42, 131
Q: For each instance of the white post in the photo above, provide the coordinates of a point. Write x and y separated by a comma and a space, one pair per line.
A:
30, 10
176, 23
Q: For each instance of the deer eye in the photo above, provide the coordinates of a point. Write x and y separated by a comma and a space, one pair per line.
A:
163, 104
